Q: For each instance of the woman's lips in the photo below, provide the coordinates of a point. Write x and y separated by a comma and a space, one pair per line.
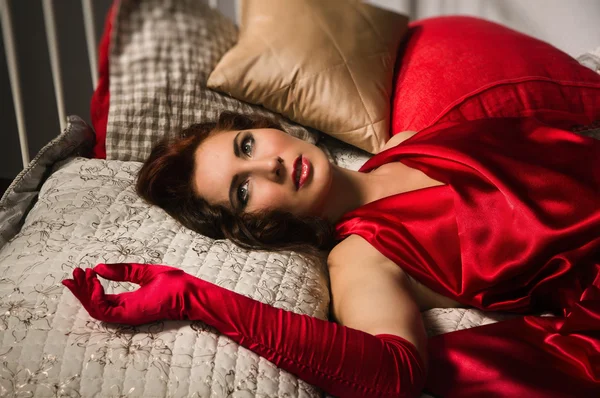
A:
305, 172
301, 171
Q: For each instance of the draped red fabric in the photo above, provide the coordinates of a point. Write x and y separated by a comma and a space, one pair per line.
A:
516, 228
100, 102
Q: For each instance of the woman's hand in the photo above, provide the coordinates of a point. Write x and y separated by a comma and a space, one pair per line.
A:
344, 362
160, 296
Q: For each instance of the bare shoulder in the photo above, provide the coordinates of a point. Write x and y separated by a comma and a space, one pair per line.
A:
352, 248
354, 259
371, 293
397, 139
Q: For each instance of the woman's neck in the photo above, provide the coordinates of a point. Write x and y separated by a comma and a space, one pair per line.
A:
349, 190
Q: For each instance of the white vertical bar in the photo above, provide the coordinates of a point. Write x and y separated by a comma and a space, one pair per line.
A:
13, 73
54, 60
90, 38
213, 3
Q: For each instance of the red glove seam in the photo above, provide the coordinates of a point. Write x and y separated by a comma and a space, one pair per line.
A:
333, 377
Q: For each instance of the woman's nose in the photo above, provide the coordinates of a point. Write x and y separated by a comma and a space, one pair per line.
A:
271, 168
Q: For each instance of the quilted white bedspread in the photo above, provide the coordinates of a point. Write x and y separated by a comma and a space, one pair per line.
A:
86, 212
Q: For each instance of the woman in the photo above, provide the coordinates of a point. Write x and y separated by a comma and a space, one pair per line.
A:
476, 214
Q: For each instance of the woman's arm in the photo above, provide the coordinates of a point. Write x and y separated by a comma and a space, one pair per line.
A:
371, 293
398, 138
342, 361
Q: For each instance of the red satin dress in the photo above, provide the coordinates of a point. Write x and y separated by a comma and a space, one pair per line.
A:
515, 228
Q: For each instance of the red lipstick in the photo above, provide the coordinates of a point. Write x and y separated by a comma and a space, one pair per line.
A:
301, 171
306, 167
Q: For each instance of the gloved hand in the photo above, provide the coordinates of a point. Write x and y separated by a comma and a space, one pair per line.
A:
161, 294
342, 361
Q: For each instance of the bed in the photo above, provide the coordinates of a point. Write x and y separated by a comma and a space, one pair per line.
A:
67, 209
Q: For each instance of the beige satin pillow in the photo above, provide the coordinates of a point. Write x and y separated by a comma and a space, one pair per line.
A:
323, 64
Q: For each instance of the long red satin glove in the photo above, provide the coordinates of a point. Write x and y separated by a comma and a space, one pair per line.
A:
342, 361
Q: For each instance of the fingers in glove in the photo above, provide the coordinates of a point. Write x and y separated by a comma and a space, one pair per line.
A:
70, 283
73, 284
79, 287
99, 300
86, 286
91, 304
130, 272
80, 282
78, 275
97, 304
90, 275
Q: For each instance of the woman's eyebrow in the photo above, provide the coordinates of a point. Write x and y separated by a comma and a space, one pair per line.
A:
234, 180
236, 145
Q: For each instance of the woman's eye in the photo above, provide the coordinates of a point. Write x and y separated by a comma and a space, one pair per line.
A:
243, 193
247, 145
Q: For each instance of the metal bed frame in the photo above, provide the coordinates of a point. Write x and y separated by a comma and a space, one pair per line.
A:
89, 18
13, 69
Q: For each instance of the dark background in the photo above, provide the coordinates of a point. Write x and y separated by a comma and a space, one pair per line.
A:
37, 87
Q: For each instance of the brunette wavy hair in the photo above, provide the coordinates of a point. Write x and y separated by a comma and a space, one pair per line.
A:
165, 180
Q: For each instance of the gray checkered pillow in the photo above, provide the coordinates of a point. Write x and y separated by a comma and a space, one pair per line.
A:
161, 54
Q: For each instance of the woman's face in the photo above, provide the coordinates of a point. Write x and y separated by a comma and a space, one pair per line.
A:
262, 169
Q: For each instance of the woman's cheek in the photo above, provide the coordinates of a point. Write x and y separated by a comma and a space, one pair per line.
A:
272, 197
